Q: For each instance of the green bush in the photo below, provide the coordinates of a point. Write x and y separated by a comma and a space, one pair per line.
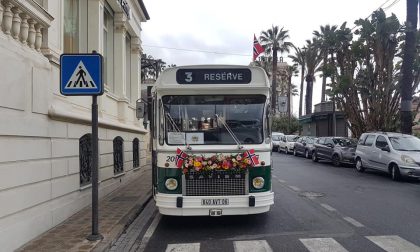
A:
281, 124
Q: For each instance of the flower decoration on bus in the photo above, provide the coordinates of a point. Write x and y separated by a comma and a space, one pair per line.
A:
218, 162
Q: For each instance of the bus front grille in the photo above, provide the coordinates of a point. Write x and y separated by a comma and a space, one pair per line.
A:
215, 184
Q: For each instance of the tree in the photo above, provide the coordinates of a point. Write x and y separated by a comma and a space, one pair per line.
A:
281, 124
326, 42
291, 71
407, 73
274, 40
312, 59
299, 58
367, 79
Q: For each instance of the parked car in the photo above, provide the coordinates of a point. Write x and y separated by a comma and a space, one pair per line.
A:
395, 153
339, 150
287, 143
304, 146
275, 140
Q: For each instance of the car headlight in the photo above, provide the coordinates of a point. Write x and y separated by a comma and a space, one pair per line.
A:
258, 182
408, 160
171, 184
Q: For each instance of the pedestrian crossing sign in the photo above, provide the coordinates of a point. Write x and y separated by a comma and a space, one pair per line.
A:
81, 74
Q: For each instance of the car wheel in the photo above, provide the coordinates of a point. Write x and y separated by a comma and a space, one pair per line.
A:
307, 154
294, 152
359, 166
314, 157
395, 173
278, 149
336, 160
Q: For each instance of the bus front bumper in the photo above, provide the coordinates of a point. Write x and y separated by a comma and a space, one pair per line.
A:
176, 204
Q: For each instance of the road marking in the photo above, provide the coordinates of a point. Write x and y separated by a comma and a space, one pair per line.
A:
282, 181
393, 243
274, 176
149, 233
183, 247
354, 222
252, 246
322, 245
294, 188
328, 207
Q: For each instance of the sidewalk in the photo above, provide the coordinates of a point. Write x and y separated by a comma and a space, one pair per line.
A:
116, 211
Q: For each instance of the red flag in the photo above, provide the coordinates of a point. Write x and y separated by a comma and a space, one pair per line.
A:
180, 157
252, 156
258, 49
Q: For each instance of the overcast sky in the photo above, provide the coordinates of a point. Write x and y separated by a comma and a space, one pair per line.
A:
189, 32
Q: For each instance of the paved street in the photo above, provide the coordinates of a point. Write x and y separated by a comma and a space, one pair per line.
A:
318, 207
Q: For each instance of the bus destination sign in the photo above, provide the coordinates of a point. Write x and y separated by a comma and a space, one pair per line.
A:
213, 76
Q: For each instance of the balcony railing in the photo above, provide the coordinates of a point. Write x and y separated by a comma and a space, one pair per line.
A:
25, 21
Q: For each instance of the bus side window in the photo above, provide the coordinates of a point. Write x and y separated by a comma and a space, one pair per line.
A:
161, 123
269, 121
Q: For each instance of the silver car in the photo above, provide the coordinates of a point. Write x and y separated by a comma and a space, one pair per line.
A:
395, 153
275, 140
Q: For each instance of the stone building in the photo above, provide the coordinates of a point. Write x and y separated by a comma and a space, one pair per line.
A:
44, 136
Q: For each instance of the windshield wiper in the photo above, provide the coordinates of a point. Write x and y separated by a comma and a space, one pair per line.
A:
229, 130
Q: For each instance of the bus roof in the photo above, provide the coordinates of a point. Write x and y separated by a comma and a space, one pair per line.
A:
202, 77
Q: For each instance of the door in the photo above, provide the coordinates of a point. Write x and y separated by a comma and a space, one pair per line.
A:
328, 148
381, 157
367, 150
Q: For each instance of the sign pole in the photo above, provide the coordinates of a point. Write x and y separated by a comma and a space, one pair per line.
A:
95, 230
95, 223
81, 75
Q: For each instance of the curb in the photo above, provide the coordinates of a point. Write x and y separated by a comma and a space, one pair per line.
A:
106, 244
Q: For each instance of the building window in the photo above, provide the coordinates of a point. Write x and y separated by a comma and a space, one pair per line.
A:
85, 158
71, 26
108, 46
118, 155
136, 154
128, 66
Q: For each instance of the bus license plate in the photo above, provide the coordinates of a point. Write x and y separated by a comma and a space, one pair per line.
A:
214, 202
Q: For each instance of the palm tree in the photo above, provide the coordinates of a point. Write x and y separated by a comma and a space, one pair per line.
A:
312, 59
273, 41
407, 66
326, 41
299, 58
291, 71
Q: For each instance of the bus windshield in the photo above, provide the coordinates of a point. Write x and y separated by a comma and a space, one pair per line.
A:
195, 116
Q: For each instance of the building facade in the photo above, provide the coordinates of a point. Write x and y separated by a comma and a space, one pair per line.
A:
45, 139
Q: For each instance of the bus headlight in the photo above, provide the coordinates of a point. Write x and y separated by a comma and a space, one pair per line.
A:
258, 182
171, 184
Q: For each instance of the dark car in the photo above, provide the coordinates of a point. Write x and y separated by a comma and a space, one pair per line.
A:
339, 150
304, 146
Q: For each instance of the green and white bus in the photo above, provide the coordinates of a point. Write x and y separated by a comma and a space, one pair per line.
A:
211, 141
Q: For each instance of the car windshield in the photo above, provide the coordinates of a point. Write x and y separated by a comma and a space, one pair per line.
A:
345, 142
310, 140
276, 138
405, 143
292, 138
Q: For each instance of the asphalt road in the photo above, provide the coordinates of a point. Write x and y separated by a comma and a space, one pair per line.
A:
318, 207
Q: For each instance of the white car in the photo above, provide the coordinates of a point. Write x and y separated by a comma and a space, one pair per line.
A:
287, 143
275, 140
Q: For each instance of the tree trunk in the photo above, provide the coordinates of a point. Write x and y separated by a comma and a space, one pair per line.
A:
274, 82
324, 79
407, 67
302, 79
289, 83
308, 97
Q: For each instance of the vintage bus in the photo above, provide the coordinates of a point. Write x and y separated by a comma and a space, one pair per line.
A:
211, 141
